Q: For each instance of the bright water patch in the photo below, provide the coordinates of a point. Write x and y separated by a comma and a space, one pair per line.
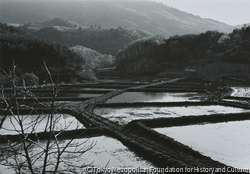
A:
60, 94
105, 152
113, 153
88, 88
125, 115
241, 91
129, 97
227, 142
67, 94
37, 123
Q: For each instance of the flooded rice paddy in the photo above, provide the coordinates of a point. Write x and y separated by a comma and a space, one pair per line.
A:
88, 88
129, 97
60, 94
241, 92
39, 122
65, 94
227, 142
125, 115
112, 153
102, 154
224, 142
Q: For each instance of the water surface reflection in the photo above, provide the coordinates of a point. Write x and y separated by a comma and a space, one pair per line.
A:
130, 97
37, 123
125, 115
224, 142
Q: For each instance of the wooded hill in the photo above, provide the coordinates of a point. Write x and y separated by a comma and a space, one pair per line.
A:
49, 23
213, 53
93, 60
29, 54
103, 40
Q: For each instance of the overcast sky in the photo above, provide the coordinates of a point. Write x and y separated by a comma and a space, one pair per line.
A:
232, 12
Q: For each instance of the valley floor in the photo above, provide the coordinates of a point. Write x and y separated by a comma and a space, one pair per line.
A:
140, 135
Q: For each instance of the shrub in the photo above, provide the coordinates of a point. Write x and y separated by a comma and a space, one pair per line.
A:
30, 79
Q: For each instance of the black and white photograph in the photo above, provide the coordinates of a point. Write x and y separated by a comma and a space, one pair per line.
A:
124, 86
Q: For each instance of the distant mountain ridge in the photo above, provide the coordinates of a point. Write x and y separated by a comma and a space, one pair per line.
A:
150, 16
50, 23
243, 25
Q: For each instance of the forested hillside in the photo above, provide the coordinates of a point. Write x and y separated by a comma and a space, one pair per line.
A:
29, 54
214, 54
49, 23
103, 40
141, 56
93, 60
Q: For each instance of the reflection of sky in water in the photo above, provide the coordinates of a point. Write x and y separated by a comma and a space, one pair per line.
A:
92, 88
113, 151
63, 122
106, 151
125, 115
63, 94
241, 91
60, 94
225, 142
153, 97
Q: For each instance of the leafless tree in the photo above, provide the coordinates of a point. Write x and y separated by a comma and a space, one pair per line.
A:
33, 154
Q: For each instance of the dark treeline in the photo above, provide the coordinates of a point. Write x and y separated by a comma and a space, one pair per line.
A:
188, 51
30, 52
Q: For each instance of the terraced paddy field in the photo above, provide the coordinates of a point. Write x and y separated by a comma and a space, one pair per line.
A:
62, 122
241, 92
153, 128
100, 155
224, 142
130, 97
125, 115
